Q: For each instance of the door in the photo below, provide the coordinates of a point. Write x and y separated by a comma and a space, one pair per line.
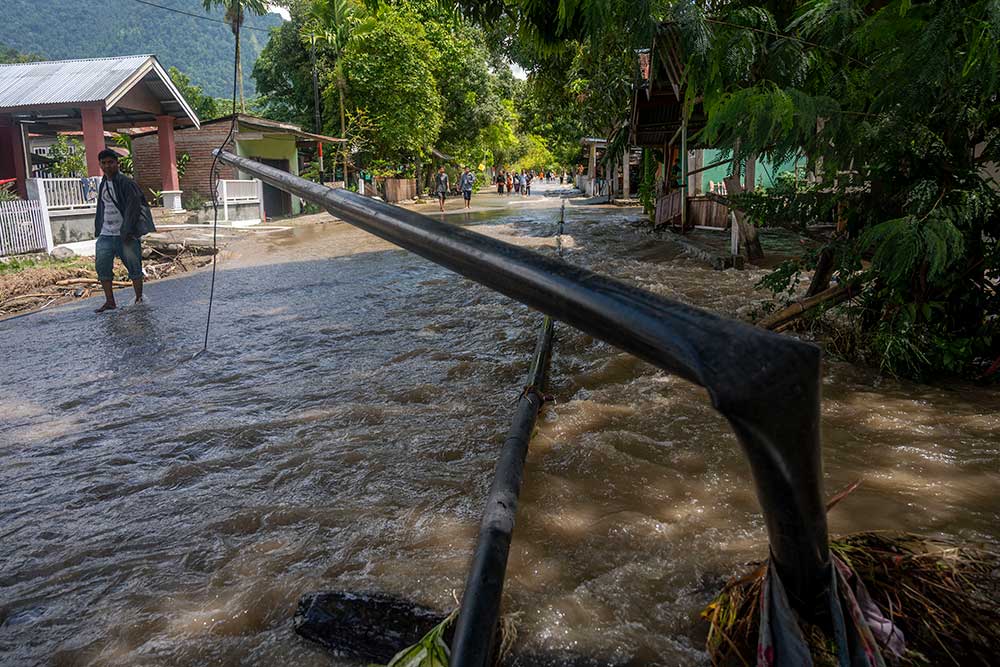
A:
276, 202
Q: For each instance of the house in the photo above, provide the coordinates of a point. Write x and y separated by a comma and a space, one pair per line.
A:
658, 122
91, 95
267, 141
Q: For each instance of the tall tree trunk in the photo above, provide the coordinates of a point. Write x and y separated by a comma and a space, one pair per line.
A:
239, 75
343, 130
749, 236
823, 274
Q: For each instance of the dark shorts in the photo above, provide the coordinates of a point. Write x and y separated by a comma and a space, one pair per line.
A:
467, 194
442, 195
109, 247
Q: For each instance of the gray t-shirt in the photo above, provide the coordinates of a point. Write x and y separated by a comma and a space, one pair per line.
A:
441, 183
112, 225
466, 182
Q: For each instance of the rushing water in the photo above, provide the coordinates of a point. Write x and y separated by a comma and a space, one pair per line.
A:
158, 508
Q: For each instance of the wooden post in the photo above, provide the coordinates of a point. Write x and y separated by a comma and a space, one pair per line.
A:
626, 176
694, 175
592, 169
684, 174
749, 181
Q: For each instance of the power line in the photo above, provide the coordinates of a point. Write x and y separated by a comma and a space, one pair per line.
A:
198, 16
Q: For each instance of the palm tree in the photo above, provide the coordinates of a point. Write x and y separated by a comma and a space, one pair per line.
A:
235, 15
332, 22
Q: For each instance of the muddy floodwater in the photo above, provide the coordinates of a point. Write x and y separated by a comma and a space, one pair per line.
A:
158, 508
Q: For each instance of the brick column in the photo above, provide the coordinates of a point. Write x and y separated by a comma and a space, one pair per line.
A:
93, 137
168, 163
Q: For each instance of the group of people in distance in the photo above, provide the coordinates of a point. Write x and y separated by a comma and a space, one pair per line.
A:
505, 181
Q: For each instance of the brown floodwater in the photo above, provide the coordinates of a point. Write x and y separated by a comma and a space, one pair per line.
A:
158, 508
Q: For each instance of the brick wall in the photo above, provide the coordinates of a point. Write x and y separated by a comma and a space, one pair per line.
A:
198, 143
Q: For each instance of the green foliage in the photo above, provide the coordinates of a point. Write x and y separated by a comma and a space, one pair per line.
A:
388, 67
647, 186
430, 651
894, 107
182, 162
192, 201
68, 157
125, 163
536, 154
283, 73
204, 106
7, 193
202, 49
10, 56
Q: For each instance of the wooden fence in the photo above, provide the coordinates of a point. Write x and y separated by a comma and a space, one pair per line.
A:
23, 228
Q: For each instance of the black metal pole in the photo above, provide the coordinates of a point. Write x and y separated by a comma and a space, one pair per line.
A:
765, 384
475, 629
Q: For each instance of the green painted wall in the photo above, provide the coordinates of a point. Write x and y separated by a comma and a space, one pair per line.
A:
765, 175
272, 148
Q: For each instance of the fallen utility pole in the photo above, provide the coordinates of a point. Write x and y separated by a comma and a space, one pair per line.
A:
766, 385
475, 630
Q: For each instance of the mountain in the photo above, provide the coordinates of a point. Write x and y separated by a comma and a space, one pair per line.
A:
59, 30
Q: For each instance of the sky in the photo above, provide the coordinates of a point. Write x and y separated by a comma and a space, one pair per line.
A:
280, 10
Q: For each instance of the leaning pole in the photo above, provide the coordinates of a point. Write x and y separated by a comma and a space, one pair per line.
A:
766, 385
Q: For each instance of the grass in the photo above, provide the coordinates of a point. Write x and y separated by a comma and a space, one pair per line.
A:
943, 595
17, 264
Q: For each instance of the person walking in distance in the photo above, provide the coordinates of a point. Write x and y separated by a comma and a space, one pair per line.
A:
465, 183
122, 218
510, 182
441, 187
501, 180
527, 184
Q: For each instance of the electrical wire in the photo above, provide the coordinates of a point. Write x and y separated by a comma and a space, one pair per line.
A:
215, 186
197, 16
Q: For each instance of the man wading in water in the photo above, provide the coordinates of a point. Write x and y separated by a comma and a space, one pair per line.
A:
465, 183
122, 217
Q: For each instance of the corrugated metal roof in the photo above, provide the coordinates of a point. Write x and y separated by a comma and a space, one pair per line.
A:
65, 81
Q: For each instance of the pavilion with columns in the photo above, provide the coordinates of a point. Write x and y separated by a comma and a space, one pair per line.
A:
98, 94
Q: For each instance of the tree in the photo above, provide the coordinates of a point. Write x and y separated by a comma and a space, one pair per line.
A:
388, 67
331, 24
235, 16
68, 157
205, 107
535, 154
11, 56
283, 72
894, 106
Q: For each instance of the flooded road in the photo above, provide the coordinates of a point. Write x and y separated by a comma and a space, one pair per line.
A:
158, 508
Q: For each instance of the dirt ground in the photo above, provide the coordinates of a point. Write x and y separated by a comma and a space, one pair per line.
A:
41, 281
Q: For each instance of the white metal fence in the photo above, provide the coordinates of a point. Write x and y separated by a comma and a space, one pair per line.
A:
69, 193
23, 228
233, 192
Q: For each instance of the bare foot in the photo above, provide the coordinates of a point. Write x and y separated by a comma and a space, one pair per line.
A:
107, 306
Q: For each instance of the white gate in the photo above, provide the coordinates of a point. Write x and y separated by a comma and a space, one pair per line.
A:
23, 228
